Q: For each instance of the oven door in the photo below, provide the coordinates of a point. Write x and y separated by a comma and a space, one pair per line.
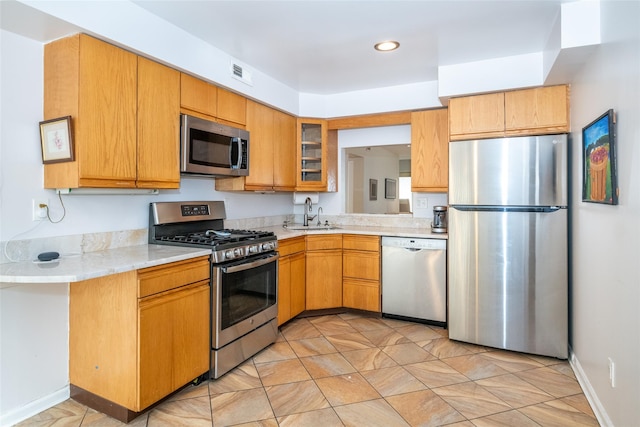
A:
244, 297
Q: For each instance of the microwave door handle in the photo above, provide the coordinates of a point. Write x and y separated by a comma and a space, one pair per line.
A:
250, 265
237, 162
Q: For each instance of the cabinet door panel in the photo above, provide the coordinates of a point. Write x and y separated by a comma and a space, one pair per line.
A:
326, 241
158, 125
429, 151
198, 95
479, 116
284, 152
298, 283
361, 294
324, 279
361, 242
362, 265
261, 164
231, 107
544, 109
284, 289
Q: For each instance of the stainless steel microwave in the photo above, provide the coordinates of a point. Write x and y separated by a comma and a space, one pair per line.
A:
212, 149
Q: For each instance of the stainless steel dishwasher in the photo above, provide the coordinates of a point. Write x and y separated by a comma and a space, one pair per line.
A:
414, 279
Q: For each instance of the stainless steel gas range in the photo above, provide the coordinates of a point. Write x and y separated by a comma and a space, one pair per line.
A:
244, 276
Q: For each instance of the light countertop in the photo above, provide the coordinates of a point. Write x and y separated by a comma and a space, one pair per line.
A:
74, 268
286, 233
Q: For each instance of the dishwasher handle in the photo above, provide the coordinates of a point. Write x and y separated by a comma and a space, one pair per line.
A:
414, 244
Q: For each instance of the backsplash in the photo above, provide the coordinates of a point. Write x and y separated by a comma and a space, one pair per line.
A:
28, 249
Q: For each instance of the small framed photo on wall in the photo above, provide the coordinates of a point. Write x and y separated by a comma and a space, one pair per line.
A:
373, 189
56, 140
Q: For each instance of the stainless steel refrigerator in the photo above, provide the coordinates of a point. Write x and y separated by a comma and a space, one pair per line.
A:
507, 249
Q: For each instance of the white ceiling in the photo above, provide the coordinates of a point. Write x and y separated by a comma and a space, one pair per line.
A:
326, 47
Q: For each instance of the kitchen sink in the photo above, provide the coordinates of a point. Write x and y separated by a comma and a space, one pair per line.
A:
298, 227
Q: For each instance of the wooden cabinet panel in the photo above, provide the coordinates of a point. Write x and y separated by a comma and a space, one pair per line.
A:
173, 341
291, 286
298, 283
284, 152
361, 294
543, 110
158, 126
261, 164
198, 96
95, 83
316, 156
291, 246
429, 151
478, 116
324, 279
284, 289
231, 107
325, 241
360, 264
162, 278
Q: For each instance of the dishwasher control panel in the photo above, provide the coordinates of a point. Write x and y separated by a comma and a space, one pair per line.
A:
414, 243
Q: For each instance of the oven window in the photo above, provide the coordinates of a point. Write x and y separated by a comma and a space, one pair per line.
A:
245, 293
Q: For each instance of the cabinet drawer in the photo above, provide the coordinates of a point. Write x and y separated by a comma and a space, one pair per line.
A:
290, 246
361, 242
326, 241
360, 264
161, 278
361, 294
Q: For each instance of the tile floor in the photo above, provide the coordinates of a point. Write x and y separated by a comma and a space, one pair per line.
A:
350, 370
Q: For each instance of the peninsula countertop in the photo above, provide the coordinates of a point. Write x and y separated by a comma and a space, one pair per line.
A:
75, 268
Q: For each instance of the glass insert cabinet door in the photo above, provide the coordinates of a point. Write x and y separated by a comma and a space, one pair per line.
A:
312, 154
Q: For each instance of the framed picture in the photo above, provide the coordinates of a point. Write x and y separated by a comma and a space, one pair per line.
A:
389, 188
56, 140
599, 184
373, 189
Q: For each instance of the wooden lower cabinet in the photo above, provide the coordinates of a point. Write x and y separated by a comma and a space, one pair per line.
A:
291, 278
324, 271
361, 272
138, 336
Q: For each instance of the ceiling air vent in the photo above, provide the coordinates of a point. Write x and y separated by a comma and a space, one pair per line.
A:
238, 72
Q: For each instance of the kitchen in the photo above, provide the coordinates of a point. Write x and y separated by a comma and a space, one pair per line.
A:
603, 299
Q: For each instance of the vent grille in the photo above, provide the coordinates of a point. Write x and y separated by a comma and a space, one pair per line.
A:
238, 72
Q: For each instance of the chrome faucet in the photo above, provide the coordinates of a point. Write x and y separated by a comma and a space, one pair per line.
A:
307, 209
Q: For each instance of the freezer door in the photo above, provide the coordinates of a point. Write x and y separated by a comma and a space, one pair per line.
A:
508, 280
522, 171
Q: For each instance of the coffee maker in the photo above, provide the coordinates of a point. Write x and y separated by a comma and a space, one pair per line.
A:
439, 224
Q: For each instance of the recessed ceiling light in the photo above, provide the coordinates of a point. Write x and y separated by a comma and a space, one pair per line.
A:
386, 46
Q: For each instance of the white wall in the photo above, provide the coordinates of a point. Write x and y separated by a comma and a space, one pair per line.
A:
605, 292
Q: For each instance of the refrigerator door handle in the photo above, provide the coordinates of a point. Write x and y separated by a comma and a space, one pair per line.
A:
538, 209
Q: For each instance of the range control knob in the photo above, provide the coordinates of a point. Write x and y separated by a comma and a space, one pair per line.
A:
237, 252
267, 246
228, 254
253, 249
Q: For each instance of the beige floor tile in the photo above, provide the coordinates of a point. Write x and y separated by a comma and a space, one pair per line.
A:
435, 373
276, 351
299, 329
192, 391
551, 381
395, 323
505, 419
367, 324
94, 418
332, 325
353, 341
392, 381
372, 413
368, 359
320, 418
271, 422
443, 348
475, 366
327, 365
418, 332
580, 402
514, 391
471, 400
282, 372
511, 361
407, 353
384, 337
555, 413
563, 368
424, 408
345, 389
312, 347
67, 414
287, 399
187, 412
243, 377
240, 407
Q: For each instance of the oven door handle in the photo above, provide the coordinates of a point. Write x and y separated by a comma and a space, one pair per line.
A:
254, 264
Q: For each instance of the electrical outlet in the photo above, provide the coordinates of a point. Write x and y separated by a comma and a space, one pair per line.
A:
422, 203
612, 373
39, 209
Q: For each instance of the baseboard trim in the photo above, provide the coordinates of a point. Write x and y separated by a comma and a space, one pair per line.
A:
589, 392
35, 407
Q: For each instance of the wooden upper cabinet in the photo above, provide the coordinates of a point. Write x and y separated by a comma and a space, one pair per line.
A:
96, 84
158, 125
231, 107
429, 151
284, 151
198, 96
478, 116
543, 110
316, 163
261, 165
536, 111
